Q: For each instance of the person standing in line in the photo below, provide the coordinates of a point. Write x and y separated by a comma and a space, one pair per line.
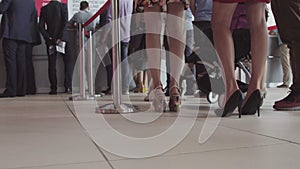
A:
202, 11
176, 29
287, 17
17, 34
79, 18
31, 86
221, 19
188, 74
285, 63
82, 16
125, 12
52, 24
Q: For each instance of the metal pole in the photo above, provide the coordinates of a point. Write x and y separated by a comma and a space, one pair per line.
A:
82, 62
83, 79
117, 106
116, 53
90, 67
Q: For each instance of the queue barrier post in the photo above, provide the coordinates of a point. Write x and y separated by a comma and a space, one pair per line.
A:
117, 106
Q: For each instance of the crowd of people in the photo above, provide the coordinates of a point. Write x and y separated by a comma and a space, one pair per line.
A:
20, 32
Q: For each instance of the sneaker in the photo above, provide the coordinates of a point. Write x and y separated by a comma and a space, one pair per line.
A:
125, 92
289, 103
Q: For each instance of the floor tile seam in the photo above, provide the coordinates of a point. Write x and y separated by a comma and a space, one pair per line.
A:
230, 149
264, 135
203, 152
53, 165
87, 134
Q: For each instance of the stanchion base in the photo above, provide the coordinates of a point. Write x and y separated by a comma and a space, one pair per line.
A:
80, 98
112, 109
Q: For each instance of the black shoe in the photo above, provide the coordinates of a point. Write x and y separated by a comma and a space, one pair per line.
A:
107, 92
53, 92
6, 94
234, 101
253, 104
68, 90
30, 93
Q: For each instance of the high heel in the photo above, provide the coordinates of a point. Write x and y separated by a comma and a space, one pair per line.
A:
234, 101
253, 103
175, 100
157, 97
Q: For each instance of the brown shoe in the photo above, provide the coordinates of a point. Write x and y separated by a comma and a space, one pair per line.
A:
175, 100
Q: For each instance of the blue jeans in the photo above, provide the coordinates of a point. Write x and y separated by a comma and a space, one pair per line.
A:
124, 68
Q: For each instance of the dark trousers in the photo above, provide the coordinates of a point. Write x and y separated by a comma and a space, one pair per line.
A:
124, 68
287, 14
31, 87
167, 48
15, 62
202, 28
68, 70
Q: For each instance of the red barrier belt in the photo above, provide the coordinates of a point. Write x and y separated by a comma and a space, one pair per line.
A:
107, 3
272, 28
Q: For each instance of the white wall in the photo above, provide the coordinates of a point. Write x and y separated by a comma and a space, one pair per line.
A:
73, 6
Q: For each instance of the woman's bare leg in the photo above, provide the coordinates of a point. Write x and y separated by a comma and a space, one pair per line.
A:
259, 44
221, 20
177, 35
153, 44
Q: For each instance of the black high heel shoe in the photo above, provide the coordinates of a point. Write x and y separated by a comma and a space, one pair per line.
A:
253, 104
232, 103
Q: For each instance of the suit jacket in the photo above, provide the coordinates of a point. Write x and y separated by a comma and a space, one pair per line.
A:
19, 20
52, 23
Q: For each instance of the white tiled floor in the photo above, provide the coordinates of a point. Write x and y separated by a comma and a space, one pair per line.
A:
50, 132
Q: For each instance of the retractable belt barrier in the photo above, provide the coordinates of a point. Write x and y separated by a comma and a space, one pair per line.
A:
89, 55
116, 106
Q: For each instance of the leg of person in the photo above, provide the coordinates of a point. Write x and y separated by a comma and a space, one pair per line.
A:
138, 81
31, 86
167, 49
109, 73
292, 101
67, 58
125, 68
190, 82
52, 72
109, 76
177, 37
21, 68
285, 63
149, 84
259, 50
153, 45
10, 53
287, 15
221, 20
